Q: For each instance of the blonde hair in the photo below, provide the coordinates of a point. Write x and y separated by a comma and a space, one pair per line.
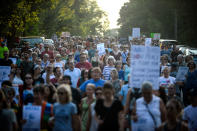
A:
91, 86
67, 89
116, 73
112, 58
96, 69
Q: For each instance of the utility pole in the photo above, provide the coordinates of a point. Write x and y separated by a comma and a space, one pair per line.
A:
175, 24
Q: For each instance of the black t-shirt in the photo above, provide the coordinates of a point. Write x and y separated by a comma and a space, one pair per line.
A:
109, 115
27, 67
4, 62
38, 81
76, 98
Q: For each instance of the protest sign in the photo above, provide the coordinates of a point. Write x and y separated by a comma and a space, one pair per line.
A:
136, 33
155, 36
130, 38
54, 37
148, 41
13, 60
65, 34
101, 49
145, 65
4, 73
181, 73
32, 114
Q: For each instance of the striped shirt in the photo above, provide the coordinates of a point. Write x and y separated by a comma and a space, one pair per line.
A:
107, 71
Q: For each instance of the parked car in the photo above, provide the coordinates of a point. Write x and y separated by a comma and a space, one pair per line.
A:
48, 41
31, 39
191, 51
167, 42
179, 46
183, 49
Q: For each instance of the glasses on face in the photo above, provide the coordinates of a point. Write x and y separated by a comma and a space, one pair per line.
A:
60, 93
98, 93
28, 78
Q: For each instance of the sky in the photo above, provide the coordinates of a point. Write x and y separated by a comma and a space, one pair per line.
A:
112, 8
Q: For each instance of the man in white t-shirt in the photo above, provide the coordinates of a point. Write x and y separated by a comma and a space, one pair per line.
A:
74, 73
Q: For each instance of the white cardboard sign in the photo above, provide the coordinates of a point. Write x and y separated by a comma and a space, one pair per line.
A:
136, 33
4, 73
32, 114
101, 49
145, 65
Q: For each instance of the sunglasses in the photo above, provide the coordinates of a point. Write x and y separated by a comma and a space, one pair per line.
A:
60, 93
98, 93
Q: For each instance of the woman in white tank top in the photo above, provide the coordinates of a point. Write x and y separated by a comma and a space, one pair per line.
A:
149, 110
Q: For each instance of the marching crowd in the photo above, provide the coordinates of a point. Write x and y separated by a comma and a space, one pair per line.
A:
82, 90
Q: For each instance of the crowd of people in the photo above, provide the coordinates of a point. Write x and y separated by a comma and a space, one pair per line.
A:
80, 89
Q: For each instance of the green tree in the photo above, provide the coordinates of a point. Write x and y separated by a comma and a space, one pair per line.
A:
172, 18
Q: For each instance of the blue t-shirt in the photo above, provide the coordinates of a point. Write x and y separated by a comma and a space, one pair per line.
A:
123, 92
77, 56
124, 57
109, 50
191, 81
126, 72
190, 115
121, 75
91, 53
63, 116
98, 83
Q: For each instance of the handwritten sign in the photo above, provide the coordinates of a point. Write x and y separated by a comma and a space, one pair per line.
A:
181, 73
145, 65
101, 49
4, 73
32, 114
148, 41
136, 33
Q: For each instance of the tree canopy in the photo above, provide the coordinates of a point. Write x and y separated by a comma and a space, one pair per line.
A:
46, 17
174, 19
